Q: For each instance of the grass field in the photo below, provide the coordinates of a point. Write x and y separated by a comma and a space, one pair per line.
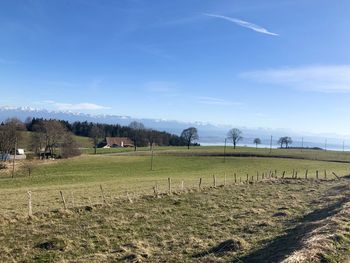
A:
190, 224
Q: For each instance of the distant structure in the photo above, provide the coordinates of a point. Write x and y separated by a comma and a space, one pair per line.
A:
116, 142
20, 155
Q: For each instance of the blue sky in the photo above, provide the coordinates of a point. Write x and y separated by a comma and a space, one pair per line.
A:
274, 64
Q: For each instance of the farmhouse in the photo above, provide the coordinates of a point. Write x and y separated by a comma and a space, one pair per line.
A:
115, 142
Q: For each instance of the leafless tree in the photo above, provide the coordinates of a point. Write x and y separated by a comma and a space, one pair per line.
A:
137, 128
235, 136
285, 141
10, 135
189, 135
96, 135
69, 147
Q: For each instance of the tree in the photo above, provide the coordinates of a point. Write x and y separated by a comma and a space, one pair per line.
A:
69, 147
136, 128
54, 133
256, 142
9, 135
189, 135
235, 136
96, 134
285, 140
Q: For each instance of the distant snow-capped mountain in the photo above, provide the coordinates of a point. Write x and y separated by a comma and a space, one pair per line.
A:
208, 133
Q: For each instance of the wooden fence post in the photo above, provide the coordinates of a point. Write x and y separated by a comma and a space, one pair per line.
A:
263, 176
276, 173
103, 195
293, 174
214, 180
30, 209
169, 185
306, 173
336, 175
182, 186
325, 174
296, 174
235, 177
63, 201
257, 176
247, 178
317, 174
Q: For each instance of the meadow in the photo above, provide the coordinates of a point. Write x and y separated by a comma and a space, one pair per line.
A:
125, 222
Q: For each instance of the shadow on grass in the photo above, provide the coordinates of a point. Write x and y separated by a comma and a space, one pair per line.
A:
279, 248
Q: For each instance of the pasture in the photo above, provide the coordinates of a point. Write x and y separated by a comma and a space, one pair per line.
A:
125, 222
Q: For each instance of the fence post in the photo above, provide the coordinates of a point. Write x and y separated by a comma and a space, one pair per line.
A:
247, 178
263, 176
182, 186
325, 174
30, 209
317, 174
169, 185
103, 195
63, 201
276, 174
235, 177
284, 172
225, 180
200, 184
296, 174
214, 180
306, 173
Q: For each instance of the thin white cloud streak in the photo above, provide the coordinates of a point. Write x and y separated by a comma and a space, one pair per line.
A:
77, 106
329, 78
245, 24
216, 101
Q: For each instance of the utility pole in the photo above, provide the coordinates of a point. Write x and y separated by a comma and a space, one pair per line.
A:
14, 159
271, 144
302, 143
225, 151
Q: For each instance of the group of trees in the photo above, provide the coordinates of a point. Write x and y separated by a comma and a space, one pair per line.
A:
136, 131
235, 135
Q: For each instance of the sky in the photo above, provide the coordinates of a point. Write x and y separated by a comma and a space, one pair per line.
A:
272, 63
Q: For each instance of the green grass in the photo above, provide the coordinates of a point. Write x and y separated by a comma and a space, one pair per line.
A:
184, 227
118, 174
258, 223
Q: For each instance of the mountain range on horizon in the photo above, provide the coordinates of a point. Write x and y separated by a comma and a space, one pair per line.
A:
209, 133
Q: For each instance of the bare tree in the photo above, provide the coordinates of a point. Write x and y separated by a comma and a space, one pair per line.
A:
10, 135
69, 147
54, 133
235, 136
189, 135
285, 141
256, 142
96, 134
137, 128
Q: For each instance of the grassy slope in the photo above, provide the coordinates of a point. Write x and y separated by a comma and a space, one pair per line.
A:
82, 176
242, 223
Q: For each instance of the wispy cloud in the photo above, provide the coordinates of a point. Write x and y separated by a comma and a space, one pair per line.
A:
216, 101
242, 23
77, 106
330, 78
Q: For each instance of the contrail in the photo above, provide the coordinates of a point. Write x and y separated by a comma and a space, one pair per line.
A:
242, 23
